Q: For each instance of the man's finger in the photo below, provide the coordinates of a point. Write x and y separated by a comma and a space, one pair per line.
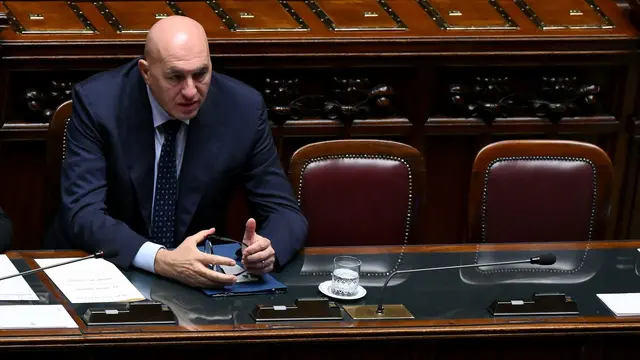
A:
216, 277
268, 253
261, 267
207, 259
263, 264
197, 238
261, 244
259, 256
201, 281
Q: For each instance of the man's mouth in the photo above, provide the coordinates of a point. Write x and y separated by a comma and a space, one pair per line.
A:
188, 104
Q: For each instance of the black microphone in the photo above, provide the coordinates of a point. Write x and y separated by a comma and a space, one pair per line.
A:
361, 312
546, 259
106, 254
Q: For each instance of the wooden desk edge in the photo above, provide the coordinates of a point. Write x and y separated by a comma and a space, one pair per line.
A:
363, 334
359, 330
473, 247
420, 248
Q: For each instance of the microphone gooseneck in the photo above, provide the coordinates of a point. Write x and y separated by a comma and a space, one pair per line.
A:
546, 259
97, 255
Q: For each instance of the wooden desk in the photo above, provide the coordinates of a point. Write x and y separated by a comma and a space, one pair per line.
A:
448, 334
447, 77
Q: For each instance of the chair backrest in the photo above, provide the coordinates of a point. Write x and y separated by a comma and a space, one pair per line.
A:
56, 151
539, 190
358, 192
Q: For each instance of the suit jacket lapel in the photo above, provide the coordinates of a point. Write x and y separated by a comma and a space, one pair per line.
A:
199, 160
136, 126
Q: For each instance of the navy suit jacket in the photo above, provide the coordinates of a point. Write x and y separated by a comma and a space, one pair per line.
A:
107, 176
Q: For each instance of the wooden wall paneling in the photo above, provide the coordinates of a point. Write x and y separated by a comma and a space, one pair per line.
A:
632, 186
624, 113
478, 104
22, 189
362, 71
449, 160
630, 189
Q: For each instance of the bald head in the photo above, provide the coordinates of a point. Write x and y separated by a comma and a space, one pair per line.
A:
177, 65
174, 34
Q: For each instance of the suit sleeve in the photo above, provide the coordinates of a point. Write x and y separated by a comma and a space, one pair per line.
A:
84, 187
270, 195
6, 231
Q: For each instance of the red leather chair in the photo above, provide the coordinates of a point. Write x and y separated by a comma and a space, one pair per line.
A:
539, 190
358, 192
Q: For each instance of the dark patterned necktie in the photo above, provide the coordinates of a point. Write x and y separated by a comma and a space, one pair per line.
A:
164, 207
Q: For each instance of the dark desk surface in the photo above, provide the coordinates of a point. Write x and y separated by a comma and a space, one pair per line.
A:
451, 302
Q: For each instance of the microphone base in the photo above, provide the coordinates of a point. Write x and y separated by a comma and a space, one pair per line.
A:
305, 309
370, 312
139, 313
541, 305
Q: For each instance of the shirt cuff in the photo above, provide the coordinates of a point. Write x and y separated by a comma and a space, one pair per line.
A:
146, 257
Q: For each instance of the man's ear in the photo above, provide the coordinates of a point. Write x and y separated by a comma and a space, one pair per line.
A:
143, 65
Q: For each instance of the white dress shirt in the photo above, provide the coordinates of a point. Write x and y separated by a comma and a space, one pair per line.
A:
146, 256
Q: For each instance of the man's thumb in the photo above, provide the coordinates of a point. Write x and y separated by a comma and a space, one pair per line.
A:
249, 230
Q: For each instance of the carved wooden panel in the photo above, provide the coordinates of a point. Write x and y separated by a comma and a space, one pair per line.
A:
53, 17
125, 18
344, 99
570, 14
36, 95
339, 96
275, 15
547, 94
43, 101
356, 15
468, 15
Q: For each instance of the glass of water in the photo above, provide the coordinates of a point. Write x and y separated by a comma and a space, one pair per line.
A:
346, 275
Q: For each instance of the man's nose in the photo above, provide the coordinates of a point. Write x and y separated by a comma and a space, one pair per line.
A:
189, 89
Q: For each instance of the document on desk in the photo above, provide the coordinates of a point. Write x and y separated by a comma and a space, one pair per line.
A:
35, 317
91, 281
15, 288
622, 304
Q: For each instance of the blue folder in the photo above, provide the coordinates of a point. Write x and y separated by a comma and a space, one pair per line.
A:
268, 284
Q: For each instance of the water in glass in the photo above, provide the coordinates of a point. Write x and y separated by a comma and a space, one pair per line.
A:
346, 276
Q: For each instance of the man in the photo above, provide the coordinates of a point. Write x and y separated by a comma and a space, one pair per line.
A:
210, 132
6, 231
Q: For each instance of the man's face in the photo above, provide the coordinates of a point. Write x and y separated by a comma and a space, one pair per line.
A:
179, 83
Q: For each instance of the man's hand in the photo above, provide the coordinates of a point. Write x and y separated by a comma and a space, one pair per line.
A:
258, 257
188, 265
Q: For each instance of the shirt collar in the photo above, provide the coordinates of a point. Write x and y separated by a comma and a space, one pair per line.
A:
160, 115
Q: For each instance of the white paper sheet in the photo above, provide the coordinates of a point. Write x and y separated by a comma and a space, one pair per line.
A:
91, 281
35, 317
15, 288
622, 304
